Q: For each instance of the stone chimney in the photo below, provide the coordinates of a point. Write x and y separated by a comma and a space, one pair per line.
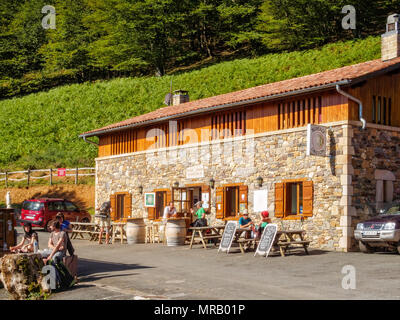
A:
180, 96
391, 39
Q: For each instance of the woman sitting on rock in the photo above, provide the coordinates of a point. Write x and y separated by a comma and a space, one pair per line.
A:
30, 236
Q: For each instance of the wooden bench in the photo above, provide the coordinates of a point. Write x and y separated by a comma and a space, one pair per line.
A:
202, 234
284, 241
242, 242
284, 246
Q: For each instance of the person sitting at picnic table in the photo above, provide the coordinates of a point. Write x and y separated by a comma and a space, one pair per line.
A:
169, 211
103, 220
57, 243
65, 226
200, 214
245, 222
30, 236
265, 220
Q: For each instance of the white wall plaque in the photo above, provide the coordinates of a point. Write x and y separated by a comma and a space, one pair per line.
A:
316, 140
195, 172
260, 200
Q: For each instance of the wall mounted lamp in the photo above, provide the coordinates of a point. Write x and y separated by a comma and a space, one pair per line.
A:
212, 183
260, 181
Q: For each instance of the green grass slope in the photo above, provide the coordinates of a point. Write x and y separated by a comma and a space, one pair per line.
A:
41, 130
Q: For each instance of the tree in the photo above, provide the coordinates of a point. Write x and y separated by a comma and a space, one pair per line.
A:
67, 45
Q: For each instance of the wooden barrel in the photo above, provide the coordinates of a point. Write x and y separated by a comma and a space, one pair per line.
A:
135, 231
175, 232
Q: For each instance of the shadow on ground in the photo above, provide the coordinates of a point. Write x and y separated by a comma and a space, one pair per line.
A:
91, 270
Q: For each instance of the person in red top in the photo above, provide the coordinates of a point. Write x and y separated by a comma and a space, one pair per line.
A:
264, 216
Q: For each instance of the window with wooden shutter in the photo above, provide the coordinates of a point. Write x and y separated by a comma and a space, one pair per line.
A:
308, 198
279, 199
113, 202
127, 206
243, 190
294, 199
219, 203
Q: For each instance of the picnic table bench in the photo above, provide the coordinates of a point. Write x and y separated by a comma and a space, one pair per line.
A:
202, 235
284, 241
89, 228
82, 228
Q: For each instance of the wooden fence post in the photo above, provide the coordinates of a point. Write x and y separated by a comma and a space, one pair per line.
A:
6, 179
76, 176
51, 176
29, 176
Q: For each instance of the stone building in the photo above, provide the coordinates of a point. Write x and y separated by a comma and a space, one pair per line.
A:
255, 149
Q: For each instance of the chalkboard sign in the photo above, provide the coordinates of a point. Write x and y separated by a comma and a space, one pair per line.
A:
227, 237
267, 239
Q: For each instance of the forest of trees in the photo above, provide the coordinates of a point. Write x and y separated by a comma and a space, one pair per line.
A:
100, 39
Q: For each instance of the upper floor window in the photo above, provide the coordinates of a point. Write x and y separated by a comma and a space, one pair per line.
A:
229, 124
382, 110
299, 113
124, 142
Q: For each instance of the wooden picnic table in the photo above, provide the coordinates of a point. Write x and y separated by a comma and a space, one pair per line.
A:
215, 234
82, 228
284, 241
90, 228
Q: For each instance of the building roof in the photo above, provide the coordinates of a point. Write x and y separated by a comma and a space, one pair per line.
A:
324, 80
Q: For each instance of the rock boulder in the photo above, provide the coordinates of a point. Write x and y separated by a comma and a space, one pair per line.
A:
21, 276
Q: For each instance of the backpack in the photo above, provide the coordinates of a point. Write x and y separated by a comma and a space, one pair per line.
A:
64, 278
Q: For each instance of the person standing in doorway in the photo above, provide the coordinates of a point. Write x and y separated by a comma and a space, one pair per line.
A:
169, 211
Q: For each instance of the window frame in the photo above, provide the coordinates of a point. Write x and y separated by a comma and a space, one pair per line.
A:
281, 202
127, 204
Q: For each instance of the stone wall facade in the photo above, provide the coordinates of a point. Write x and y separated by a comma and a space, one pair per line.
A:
275, 156
376, 159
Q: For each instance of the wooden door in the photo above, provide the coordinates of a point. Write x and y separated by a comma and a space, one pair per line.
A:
160, 204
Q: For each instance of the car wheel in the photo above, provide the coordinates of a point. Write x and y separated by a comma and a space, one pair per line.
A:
365, 247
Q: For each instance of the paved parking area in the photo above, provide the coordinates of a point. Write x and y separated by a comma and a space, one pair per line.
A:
155, 271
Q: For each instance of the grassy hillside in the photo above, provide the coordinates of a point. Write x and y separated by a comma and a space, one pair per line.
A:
41, 130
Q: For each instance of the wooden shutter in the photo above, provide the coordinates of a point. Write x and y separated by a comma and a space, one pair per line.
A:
127, 205
219, 203
279, 199
243, 190
168, 197
113, 201
206, 189
308, 198
151, 213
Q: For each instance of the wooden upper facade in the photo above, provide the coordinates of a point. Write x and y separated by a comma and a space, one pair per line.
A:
379, 94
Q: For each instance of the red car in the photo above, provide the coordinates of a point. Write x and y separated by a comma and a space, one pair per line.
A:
40, 212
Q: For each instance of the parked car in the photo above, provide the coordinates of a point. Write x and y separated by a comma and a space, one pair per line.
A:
380, 232
41, 211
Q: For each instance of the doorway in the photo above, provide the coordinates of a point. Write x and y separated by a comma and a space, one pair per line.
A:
161, 198
232, 201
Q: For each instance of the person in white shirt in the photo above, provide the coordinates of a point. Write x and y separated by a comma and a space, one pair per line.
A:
169, 211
